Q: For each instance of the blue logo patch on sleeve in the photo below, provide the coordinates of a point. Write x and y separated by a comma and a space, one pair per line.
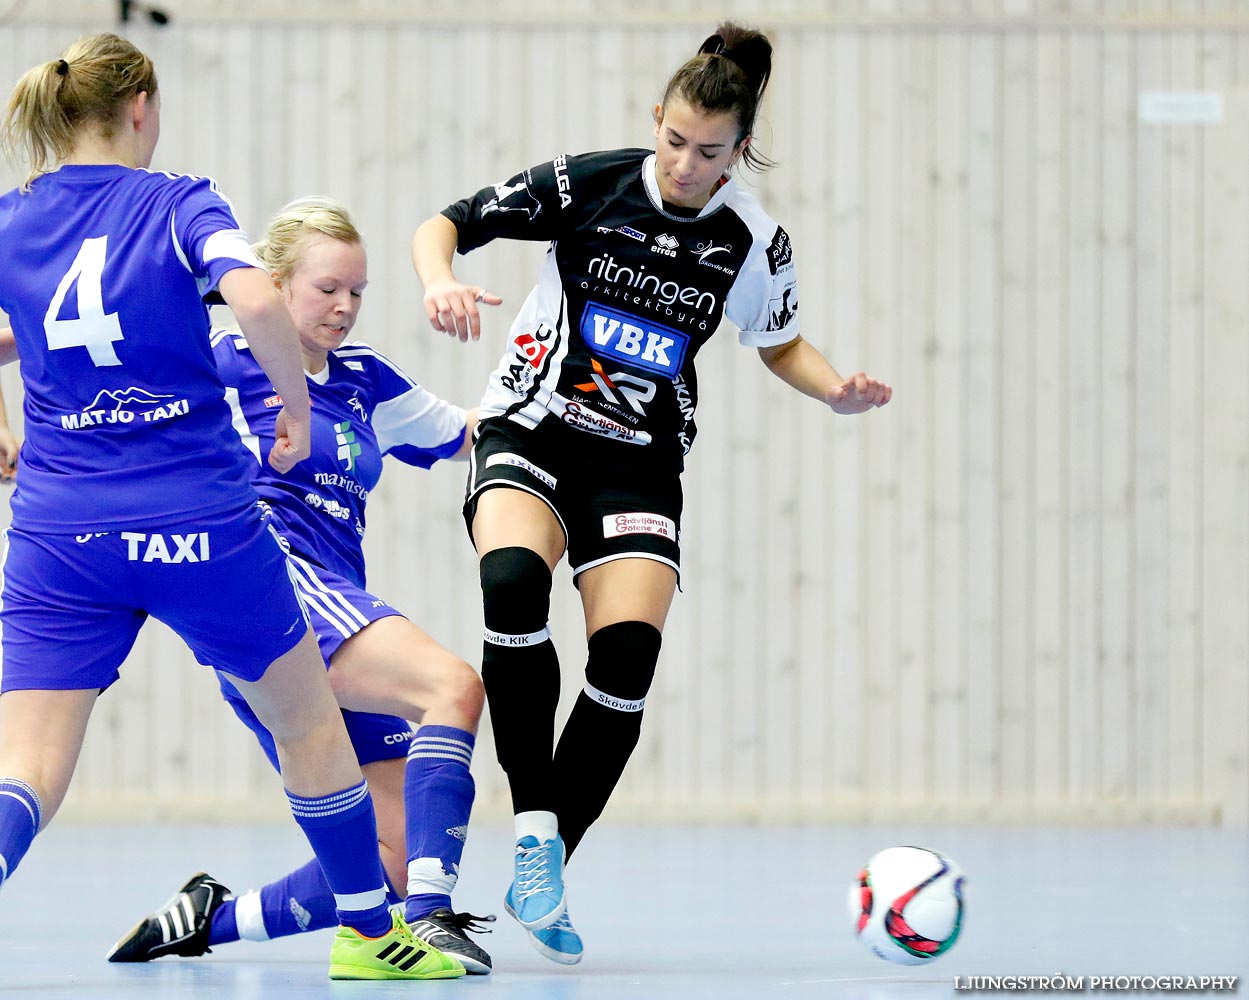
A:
633, 341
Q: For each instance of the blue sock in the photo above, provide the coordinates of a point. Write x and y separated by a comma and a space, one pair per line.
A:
342, 830
224, 927
438, 795
20, 816
298, 902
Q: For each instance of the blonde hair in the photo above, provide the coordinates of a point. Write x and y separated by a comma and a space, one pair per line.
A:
85, 88
295, 225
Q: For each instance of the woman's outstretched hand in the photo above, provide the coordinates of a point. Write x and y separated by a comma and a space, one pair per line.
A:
452, 308
858, 394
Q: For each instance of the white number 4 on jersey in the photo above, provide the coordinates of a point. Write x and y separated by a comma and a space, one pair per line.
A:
94, 329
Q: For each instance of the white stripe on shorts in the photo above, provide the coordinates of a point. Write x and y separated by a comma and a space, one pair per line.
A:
329, 604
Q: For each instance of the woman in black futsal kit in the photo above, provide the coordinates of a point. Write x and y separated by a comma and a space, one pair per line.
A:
587, 419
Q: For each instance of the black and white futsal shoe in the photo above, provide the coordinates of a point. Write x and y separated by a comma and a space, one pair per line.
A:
180, 927
445, 930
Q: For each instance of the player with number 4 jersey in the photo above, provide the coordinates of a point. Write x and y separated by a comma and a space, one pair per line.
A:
90, 418
134, 501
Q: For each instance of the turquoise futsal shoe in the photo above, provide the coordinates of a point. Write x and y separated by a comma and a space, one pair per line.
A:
559, 942
536, 896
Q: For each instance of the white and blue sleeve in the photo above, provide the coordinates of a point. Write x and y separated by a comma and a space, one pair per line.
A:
410, 422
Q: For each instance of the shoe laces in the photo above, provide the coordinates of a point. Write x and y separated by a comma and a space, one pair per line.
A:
469, 922
563, 924
399, 927
533, 869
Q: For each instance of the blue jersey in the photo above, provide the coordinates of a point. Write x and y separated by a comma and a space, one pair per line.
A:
103, 270
363, 407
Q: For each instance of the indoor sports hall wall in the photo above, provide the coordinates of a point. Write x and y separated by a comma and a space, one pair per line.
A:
1020, 592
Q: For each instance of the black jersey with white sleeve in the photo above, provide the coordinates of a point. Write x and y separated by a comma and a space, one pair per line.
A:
630, 290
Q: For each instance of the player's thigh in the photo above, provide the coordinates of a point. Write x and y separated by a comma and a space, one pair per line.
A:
292, 697
506, 517
635, 588
511, 493
625, 550
392, 666
41, 735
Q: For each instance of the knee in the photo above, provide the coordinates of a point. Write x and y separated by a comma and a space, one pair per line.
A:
516, 590
318, 726
343, 684
621, 664
464, 693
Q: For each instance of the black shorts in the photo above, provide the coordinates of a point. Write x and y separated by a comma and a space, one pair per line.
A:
614, 501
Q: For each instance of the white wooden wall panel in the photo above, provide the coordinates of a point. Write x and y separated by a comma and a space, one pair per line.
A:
1019, 592
918, 347
982, 423
1016, 379
838, 579
1050, 720
1151, 638
1117, 329
1185, 327
1225, 623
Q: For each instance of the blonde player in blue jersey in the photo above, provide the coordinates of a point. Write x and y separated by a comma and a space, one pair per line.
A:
383, 668
128, 505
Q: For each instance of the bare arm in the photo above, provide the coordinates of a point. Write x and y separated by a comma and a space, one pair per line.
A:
466, 446
8, 447
8, 440
8, 346
450, 305
263, 318
806, 369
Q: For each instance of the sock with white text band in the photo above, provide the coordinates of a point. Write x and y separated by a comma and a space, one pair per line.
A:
603, 728
520, 671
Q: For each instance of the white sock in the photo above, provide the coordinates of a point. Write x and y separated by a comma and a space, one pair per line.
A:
249, 917
537, 823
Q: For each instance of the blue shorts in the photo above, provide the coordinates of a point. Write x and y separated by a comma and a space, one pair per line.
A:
72, 605
337, 609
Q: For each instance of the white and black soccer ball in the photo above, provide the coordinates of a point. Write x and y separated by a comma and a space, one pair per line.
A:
907, 905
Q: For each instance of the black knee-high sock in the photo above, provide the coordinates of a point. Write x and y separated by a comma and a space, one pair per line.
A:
604, 725
520, 672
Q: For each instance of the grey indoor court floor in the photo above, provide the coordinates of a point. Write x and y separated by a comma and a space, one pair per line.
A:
666, 912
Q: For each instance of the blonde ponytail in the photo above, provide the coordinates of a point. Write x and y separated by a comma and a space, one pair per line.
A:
87, 88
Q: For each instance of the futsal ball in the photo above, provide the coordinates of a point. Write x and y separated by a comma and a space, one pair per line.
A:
907, 904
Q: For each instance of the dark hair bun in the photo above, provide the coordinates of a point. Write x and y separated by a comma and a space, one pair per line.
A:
750, 50
713, 46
